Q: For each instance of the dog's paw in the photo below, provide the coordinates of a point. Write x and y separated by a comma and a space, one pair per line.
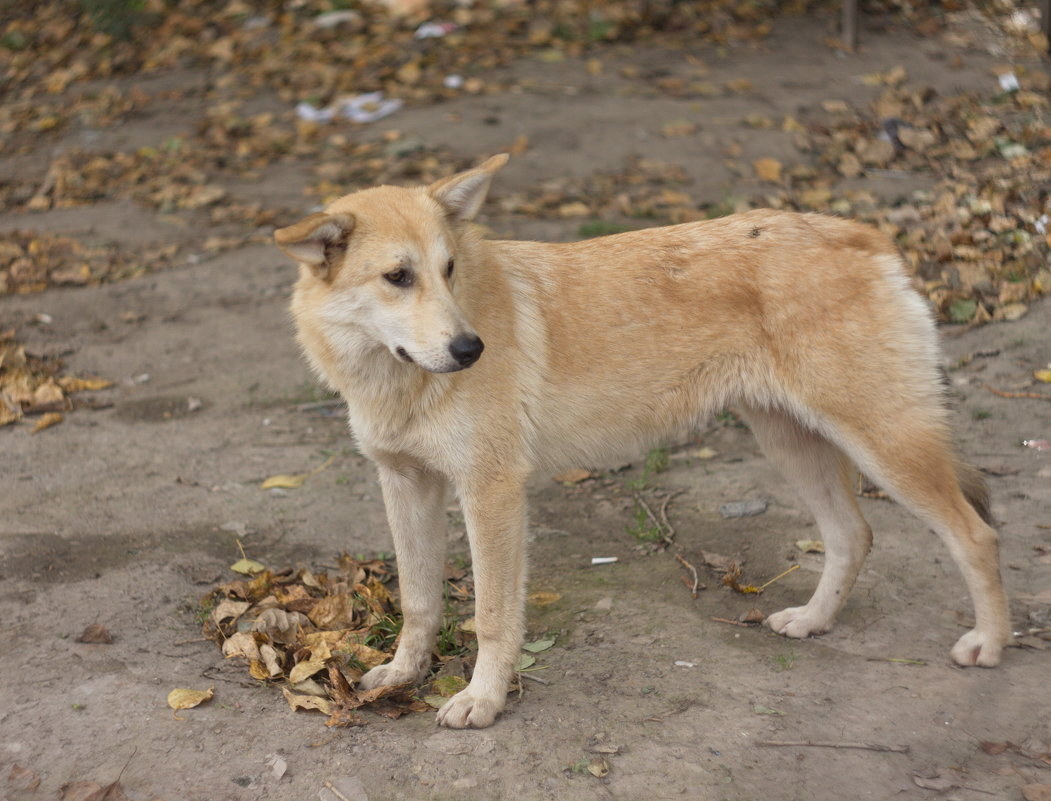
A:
799, 622
388, 675
468, 710
977, 649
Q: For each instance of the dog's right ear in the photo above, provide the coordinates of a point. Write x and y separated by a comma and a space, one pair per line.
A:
317, 241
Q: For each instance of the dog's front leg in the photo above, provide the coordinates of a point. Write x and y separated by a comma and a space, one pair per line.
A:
415, 499
496, 525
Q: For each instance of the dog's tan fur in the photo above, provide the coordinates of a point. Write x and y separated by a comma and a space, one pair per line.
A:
806, 324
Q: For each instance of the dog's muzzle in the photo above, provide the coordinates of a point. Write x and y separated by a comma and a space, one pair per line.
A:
466, 349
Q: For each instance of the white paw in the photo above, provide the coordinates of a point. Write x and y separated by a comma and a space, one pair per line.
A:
387, 676
467, 709
976, 648
799, 622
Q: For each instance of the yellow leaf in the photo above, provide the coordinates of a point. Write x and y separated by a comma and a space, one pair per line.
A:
1043, 375
6, 415
89, 384
768, 169
47, 420
247, 567
187, 699
285, 481
304, 670
575, 209
810, 546
293, 480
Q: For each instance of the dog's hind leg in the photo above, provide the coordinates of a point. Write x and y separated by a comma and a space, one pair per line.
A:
822, 475
415, 499
913, 461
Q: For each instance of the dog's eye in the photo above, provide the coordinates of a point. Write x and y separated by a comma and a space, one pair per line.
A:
449, 269
399, 277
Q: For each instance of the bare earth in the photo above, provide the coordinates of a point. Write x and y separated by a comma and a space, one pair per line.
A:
126, 515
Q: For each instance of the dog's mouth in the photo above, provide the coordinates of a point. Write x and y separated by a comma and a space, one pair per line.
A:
403, 354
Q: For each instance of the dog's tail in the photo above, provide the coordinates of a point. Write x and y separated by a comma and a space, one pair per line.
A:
974, 489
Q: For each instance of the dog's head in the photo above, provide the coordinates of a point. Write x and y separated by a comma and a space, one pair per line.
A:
383, 263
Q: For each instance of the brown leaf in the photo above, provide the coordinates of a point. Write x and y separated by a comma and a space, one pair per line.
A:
95, 633
22, 778
767, 169
1037, 792
333, 612
719, 563
994, 748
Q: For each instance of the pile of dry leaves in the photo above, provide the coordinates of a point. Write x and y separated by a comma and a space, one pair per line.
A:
315, 635
30, 385
32, 261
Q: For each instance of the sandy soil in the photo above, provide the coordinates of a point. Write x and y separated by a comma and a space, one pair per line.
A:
126, 515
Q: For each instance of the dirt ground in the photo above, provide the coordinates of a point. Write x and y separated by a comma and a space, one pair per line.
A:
125, 515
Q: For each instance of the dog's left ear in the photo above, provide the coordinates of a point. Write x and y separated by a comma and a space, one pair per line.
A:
463, 194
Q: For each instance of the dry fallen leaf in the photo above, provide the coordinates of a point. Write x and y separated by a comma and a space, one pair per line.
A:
768, 169
247, 567
181, 698
46, 421
309, 702
96, 633
293, 480
810, 546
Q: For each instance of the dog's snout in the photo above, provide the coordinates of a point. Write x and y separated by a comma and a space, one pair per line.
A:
466, 349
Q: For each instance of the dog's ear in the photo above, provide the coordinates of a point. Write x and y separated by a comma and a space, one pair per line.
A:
462, 195
317, 241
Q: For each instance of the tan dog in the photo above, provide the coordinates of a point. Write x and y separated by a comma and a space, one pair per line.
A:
805, 324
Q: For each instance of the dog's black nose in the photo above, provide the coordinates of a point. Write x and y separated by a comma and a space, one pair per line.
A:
466, 348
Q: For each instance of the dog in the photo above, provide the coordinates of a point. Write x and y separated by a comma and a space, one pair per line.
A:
466, 364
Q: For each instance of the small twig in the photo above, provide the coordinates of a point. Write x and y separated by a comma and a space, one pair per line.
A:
894, 749
779, 576
733, 622
653, 518
1032, 632
696, 579
664, 512
537, 679
1002, 394
898, 660
332, 789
